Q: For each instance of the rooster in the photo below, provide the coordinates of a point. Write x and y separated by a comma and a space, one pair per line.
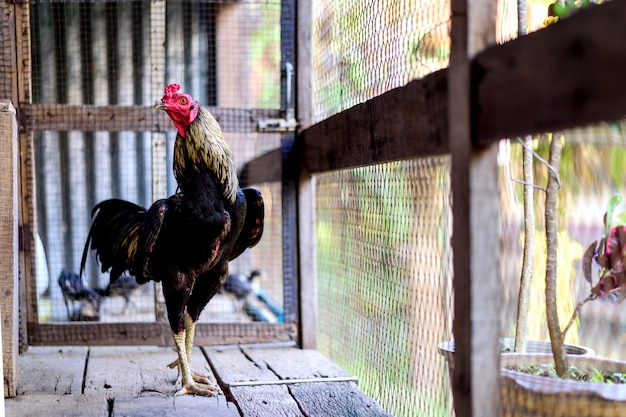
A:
185, 241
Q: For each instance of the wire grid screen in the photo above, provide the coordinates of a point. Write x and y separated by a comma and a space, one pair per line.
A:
364, 48
226, 55
385, 286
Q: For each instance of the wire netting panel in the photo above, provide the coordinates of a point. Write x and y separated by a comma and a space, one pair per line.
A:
385, 285
110, 53
364, 48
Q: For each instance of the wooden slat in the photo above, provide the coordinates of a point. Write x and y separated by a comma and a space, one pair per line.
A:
403, 123
9, 259
90, 118
261, 400
124, 371
8, 63
316, 399
567, 75
52, 370
28, 197
137, 378
265, 168
106, 334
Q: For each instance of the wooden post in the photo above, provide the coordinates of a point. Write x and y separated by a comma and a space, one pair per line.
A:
475, 208
306, 186
159, 165
9, 260
28, 199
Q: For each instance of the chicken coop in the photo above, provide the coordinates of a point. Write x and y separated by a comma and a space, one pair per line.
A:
386, 138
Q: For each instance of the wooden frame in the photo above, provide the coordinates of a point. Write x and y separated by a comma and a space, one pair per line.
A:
548, 74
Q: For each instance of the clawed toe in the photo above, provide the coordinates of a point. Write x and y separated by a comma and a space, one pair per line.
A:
198, 389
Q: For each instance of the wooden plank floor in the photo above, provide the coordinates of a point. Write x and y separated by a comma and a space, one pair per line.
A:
135, 381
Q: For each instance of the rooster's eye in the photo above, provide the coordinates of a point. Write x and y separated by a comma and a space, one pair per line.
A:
182, 100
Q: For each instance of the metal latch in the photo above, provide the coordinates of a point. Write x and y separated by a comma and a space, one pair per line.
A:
277, 125
288, 122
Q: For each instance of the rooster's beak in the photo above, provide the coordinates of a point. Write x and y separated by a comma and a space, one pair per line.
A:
160, 106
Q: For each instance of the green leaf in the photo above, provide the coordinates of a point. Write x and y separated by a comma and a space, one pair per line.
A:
613, 202
597, 376
620, 219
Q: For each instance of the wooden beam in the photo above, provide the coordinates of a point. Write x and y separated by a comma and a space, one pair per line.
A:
9, 259
265, 168
90, 118
154, 333
402, 123
567, 75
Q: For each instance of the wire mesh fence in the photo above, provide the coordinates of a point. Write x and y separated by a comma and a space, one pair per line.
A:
383, 231
364, 48
385, 282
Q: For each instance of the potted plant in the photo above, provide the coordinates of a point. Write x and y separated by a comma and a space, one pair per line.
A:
588, 386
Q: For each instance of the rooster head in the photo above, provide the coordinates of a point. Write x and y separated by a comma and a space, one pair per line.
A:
180, 107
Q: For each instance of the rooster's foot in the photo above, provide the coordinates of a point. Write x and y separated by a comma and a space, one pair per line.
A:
198, 389
196, 376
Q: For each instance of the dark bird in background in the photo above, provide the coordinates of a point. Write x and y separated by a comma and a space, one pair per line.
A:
247, 292
186, 240
239, 286
125, 286
74, 291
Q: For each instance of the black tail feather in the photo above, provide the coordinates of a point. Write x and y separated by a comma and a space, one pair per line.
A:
113, 235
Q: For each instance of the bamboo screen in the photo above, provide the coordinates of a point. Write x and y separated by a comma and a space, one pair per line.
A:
113, 53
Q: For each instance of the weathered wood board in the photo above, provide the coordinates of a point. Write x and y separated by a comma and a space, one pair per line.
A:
52, 370
232, 365
275, 364
136, 379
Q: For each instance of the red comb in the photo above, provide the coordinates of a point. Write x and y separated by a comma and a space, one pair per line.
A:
171, 89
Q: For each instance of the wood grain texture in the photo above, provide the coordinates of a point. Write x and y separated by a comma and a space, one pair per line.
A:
90, 118
402, 123
569, 74
134, 371
9, 260
313, 399
52, 370
265, 168
159, 334
475, 209
136, 378
263, 400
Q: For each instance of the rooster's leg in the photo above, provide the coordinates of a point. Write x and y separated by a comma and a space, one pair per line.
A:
193, 383
190, 330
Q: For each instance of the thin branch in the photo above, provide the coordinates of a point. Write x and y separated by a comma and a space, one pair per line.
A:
590, 297
535, 186
554, 171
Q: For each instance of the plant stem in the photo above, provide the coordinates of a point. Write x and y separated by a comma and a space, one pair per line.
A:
521, 328
590, 297
556, 336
